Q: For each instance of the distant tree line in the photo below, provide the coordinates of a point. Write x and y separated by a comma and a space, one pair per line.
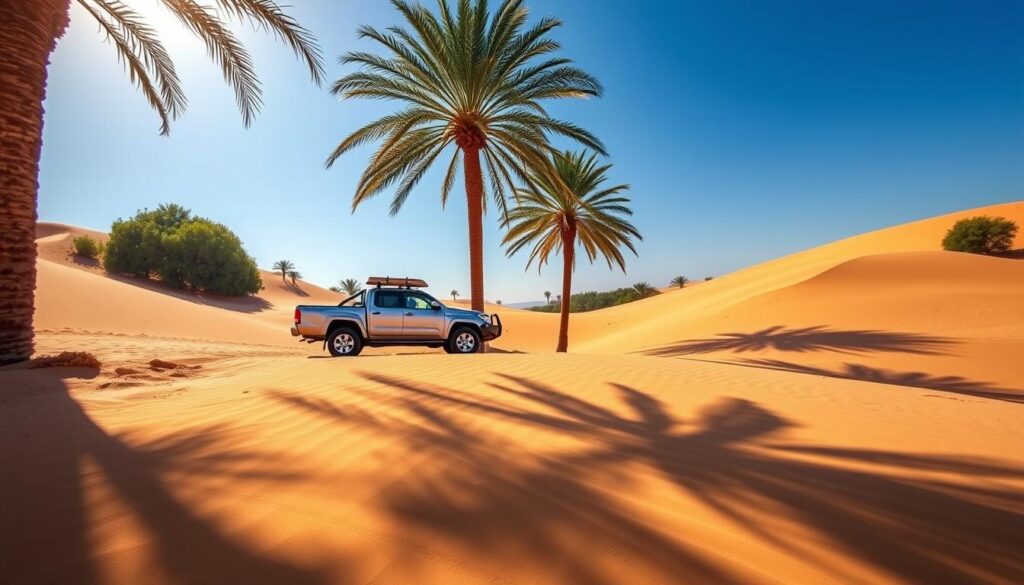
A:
592, 300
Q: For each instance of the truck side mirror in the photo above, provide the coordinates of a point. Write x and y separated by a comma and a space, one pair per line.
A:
435, 305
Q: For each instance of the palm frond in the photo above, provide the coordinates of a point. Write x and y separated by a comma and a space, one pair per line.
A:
235, 63
570, 205
133, 52
268, 15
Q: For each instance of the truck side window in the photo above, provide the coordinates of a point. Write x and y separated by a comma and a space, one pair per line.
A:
388, 299
416, 301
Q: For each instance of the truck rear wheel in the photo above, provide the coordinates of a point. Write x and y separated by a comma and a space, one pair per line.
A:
464, 340
344, 342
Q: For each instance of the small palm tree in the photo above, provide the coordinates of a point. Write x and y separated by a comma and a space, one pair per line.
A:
644, 289
284, 266
469, 79
294, 275
28, 35
572, 207
707, 278
350, 286
547, 296
334, 289
679, 281
455, 294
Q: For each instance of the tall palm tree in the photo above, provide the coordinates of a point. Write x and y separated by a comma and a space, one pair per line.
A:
572, 207
284, 266
644, 290
29, 31
547, 296
679, 281
471, 80
350, 286
455, 294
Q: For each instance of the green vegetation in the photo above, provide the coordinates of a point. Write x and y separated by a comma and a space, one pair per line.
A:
644, 290
981, 235
572, 206
469, 76
294, 275
679, 281
284, 267
455, 294
591, 301
86, 247
183, 251
349, 286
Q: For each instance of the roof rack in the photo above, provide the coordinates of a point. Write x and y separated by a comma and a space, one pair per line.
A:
404, 282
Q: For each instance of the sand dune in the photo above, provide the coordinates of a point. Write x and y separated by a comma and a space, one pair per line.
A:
847, 414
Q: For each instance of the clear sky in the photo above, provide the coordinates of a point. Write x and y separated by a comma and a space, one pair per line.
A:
747, 130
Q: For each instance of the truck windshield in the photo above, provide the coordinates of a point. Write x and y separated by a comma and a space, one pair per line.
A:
355, 300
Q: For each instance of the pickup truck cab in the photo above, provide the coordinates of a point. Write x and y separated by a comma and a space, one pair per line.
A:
393, 313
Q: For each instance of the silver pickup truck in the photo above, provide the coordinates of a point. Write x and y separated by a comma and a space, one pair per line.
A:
392, 313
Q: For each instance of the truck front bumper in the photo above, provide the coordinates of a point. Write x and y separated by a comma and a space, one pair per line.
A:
492, 330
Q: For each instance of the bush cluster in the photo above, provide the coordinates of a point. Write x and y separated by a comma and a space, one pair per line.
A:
981, 235
183, 251
86, 247
592, 300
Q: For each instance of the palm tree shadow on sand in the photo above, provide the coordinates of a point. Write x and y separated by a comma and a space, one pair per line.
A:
809, 339
45, 526
921, 380
494, 497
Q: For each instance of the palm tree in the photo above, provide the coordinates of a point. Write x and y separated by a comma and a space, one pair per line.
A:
644, 290
294, 274
679, 281
547, 296
29, 32
455, 295
284, 266
573, 205
469, 79
350, 286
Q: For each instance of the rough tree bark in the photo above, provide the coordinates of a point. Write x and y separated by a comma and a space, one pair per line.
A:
29, 30
568, 260
474, 205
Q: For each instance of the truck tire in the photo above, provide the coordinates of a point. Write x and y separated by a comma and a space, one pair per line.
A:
464, 340
344, 342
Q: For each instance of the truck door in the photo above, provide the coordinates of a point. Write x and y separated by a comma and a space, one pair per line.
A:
386, 313
421, 321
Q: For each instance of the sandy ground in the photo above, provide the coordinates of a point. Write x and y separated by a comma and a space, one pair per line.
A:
850, 414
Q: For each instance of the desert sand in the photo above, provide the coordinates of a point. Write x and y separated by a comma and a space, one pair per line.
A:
848, 414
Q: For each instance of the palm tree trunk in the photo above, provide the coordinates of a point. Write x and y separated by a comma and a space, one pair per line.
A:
568, 259
28, 34
474, 205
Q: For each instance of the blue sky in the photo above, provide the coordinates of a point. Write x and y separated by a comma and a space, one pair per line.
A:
746, 129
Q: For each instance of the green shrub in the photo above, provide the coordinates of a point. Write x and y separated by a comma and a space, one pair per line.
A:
980, 235
184, 251
86, 246
136, 245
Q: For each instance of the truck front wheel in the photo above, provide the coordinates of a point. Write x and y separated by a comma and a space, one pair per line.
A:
464, 340
344, 342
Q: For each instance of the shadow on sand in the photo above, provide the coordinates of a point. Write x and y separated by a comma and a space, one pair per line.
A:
44, 536
922, 380
809, 339
246, 304
897, 512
